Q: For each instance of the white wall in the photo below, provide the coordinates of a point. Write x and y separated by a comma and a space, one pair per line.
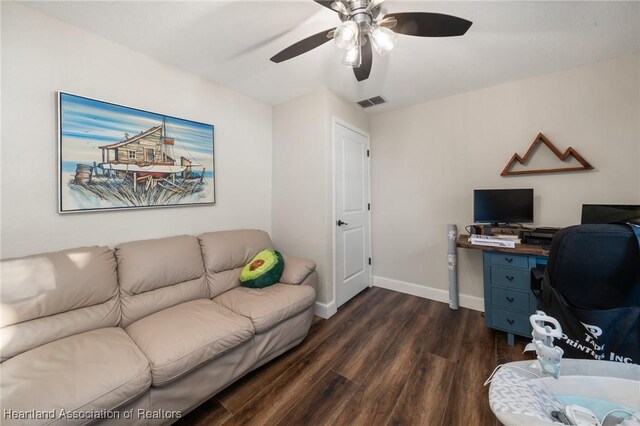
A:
40, 56
428, 158
302, 178
298, 226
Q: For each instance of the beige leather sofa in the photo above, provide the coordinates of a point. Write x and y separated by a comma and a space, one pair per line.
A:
138, 334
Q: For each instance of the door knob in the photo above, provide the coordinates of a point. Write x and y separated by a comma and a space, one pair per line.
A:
340, 222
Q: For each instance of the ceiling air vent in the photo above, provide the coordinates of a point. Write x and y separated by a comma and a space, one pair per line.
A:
376, 100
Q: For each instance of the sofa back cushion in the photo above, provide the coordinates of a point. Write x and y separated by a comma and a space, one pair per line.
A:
157, 274
50, 296
226, 252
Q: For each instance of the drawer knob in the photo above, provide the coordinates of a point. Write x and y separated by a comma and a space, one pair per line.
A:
510, 299
509, 259
510, 277
510, 321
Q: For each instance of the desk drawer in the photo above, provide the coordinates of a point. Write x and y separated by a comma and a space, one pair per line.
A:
507, 277
511, 322
510, 260
510, 299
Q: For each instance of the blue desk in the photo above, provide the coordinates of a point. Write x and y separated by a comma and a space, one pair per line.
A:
508, 301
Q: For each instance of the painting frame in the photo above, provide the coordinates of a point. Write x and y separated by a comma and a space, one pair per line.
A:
113, 157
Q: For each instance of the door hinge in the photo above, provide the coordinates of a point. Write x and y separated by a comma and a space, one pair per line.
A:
369, 206
367, 153
369, 261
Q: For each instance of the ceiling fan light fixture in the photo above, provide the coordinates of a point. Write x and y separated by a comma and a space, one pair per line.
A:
339, 7
364, 19
352, 57
373, 4
383, 39
347, 35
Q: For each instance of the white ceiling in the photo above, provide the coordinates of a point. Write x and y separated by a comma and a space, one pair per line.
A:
230, 43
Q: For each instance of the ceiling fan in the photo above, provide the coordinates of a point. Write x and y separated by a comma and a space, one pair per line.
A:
364, 25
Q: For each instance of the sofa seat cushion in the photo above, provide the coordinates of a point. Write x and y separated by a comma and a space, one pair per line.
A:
97, 370
180, 338
269, 306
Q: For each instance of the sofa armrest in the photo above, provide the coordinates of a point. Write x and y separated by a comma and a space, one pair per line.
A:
296, 269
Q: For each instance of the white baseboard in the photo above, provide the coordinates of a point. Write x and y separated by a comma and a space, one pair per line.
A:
326, 310
471, 302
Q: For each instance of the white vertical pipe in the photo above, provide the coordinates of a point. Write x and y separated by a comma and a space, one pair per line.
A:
452, 257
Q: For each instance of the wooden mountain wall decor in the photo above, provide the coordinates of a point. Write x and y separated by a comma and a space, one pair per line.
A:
542, 139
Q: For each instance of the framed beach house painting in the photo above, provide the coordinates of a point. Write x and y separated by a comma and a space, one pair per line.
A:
115, 157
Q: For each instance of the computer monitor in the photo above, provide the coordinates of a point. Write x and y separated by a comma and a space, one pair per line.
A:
503, 206
607, 213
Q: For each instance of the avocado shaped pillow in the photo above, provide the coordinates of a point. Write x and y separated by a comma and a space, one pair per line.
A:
264, 269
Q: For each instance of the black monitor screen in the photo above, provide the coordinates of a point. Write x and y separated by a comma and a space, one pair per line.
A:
607, 213
503, 205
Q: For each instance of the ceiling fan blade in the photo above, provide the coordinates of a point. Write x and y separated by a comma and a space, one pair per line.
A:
304, 46
423, 24
363, 71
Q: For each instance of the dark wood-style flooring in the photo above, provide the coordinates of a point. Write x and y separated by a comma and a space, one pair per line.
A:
385, 358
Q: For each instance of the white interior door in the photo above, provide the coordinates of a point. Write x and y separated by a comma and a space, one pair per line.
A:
352, 226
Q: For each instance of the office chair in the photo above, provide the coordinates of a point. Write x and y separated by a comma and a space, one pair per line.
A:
591, 285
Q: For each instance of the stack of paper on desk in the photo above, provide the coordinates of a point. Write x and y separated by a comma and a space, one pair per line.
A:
506, 241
